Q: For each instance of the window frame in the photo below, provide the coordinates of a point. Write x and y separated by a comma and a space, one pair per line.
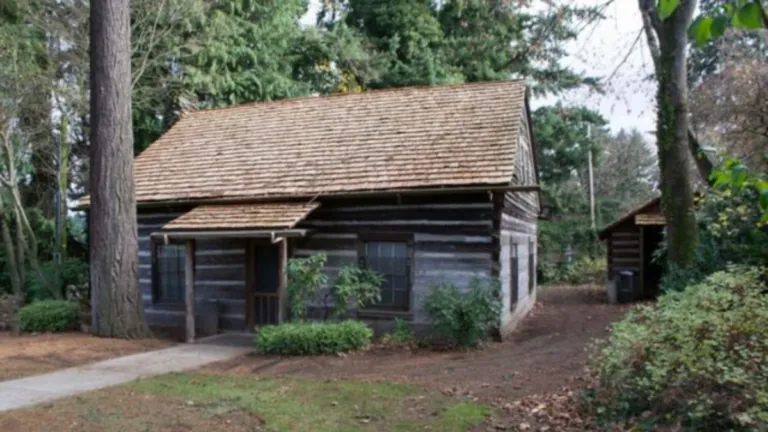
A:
157, 298
514, 274
531, 266
363, 239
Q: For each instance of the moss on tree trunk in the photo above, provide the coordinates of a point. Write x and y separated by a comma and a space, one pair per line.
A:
672, 136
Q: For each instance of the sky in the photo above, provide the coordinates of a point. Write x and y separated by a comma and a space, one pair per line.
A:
606, 49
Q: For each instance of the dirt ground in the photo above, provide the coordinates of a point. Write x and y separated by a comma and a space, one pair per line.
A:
549, 351
527, 379
36, 354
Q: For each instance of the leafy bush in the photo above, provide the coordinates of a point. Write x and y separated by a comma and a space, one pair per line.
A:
313, 338
733, 226
73, 274
361, 285
582, 271
696, 360
465, 317
305, 276
400, 335
49, 316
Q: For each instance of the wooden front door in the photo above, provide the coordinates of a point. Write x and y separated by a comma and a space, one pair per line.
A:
264, 307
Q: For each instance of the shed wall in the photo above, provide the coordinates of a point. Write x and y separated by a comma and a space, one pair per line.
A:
624, 249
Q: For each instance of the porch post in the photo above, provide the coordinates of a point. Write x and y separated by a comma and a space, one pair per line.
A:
189, 282
282, 313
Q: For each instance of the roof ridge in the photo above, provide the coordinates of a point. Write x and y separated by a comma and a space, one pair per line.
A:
367, 93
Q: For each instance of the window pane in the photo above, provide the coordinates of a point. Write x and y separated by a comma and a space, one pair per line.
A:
170, 273
390, 259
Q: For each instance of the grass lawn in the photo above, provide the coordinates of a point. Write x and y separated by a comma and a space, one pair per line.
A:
214, 402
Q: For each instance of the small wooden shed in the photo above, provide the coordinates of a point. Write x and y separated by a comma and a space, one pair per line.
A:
632, 241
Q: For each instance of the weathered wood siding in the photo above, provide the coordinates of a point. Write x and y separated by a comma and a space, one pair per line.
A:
451, 234
518, 225
219, 275
624, 249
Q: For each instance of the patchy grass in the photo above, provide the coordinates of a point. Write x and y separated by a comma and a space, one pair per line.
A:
211, 403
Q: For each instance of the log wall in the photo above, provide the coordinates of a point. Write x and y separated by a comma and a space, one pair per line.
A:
451, 237
518, 226
219, 275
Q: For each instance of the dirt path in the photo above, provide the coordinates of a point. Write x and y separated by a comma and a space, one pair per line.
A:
27, 355
545, 354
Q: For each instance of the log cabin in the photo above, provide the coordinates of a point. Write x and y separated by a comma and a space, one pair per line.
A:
423, 185
632, 241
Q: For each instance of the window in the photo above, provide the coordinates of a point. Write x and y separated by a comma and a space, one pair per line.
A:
531, 266
392, 260
514, 276
168, 273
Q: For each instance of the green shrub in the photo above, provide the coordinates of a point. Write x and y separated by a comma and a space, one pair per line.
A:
400, 335
582, 271
72, 274
733, 226
465, 317
695, 361
358, 284
305, 276
49, 316
315, 338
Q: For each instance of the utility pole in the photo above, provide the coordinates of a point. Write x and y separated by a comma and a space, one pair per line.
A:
591, 177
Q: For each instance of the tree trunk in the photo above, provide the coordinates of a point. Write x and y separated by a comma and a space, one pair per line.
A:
672, 135
116, 300
652, 27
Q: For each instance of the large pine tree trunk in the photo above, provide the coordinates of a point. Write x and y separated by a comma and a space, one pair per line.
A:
116, 300
673, 136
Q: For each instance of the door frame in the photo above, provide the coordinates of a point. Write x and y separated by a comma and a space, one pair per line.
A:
281, 244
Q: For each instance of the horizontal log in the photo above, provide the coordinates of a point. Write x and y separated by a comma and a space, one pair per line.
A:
625, 243
625, 253
325, 235
352, 253
618, 261
421, 206
626, 233
454, 247
314, 242
399, 222
426, 214
461, 256
452, 198
424, 238
402, 229
208, 272
472, 265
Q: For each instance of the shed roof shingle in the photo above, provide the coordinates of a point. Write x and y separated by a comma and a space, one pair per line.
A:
394, 139
242, 216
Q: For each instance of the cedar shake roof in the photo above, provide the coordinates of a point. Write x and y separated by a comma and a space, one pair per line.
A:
241, 216
602, 235
405, 138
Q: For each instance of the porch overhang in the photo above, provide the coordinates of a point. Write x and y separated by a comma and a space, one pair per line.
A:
242, 217
274, 235
273, 221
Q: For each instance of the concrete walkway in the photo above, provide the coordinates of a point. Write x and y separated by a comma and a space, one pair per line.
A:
33, 390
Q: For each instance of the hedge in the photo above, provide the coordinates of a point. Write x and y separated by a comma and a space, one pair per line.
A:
694, 361
312, 338
49, 316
